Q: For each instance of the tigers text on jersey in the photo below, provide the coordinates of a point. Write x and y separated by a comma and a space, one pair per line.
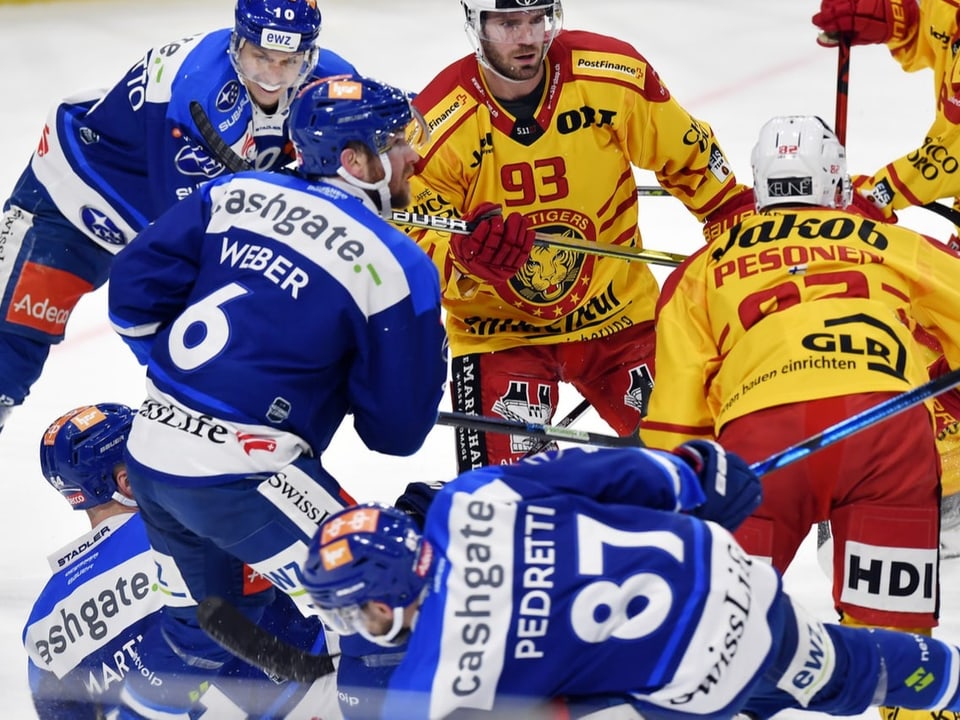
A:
272, 307
795, 305
569, 170
112, 162
578, 576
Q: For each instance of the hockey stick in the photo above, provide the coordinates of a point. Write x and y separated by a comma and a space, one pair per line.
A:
856, 423
840, 123
484, 423
843, 85
237, 633
244, 638
652, 191
234, 163
218, 146
569, 419
460, 227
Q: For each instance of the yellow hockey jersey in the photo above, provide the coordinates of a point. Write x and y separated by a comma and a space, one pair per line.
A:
931, 171
603, 110
795, 305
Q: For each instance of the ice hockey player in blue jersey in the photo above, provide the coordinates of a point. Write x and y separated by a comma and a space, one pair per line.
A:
609, 573
91, 623
109, 162
267, 307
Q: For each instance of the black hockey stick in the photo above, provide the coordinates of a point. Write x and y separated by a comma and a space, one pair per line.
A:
218, 146
484, 423
244, 638
566, 421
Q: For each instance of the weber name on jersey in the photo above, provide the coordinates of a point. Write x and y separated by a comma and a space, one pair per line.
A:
585, 582
252, 300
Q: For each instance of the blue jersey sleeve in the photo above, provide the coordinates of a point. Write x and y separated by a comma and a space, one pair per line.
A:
631, 476
150, 286
397, 380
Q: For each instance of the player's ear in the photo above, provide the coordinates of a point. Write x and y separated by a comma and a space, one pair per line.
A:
353, 161
123, 482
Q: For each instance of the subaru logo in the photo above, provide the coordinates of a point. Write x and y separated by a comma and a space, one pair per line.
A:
228, 96
193, 160
102, 227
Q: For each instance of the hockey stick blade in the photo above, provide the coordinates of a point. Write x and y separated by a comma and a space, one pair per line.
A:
551, 432
244, 638
215, 142
860, 421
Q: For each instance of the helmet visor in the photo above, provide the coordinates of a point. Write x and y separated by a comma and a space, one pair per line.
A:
518, 27
271, 69
417, 134
354, 619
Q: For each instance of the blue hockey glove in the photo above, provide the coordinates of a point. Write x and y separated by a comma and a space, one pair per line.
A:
733, 490
416, 500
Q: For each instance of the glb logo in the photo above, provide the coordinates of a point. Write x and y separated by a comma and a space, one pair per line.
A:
885, 354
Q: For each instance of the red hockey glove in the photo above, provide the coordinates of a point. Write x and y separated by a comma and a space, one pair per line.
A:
733, 490
863, 205
865, 22
864, 201
496, 248
729, 214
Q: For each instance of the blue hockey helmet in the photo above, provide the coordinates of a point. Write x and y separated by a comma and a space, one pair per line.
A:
285, 25
368, 552
79, 451
286, 32
329, 114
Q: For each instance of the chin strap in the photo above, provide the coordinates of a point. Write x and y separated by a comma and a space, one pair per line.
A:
123, 499
379, 191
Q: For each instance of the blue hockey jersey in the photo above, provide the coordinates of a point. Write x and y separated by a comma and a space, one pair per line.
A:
112, 161
578, 576
83, 632
269, 307
86, 632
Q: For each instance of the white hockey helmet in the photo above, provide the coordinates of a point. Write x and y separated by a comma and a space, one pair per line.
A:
475, 26
798, 160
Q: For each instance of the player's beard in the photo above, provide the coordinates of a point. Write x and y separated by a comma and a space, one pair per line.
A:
506, 65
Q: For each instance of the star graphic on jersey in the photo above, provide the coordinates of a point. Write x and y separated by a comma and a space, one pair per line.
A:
101, 226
